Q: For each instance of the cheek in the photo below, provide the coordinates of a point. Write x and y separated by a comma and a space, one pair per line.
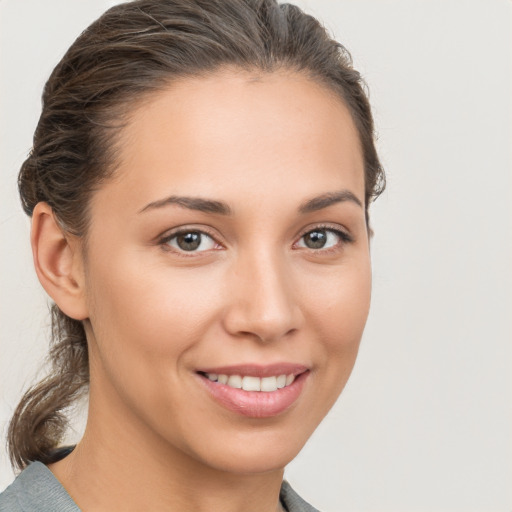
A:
146, 322
339, 310
337, 313
148, 307
339, 304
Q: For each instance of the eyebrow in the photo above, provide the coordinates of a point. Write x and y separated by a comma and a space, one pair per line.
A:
192, 203
212, 206
328, 199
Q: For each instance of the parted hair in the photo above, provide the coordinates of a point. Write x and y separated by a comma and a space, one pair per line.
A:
132, 50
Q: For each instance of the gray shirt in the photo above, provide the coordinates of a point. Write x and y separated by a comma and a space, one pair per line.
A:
37, 490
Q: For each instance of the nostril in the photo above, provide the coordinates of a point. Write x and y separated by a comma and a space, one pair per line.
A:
262, 303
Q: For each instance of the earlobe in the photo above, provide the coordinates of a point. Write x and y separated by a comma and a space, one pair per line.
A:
58, 262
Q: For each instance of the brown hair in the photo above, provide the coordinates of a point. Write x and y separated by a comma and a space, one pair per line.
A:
133, 49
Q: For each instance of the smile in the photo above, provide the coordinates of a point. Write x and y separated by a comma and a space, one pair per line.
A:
255, 391
251, 383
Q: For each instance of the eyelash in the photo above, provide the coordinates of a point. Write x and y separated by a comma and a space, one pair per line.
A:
164, 241
343, 236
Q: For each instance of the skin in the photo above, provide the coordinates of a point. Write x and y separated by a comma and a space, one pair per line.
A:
263, 144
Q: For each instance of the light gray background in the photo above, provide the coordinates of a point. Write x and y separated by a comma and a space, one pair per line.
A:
425, 422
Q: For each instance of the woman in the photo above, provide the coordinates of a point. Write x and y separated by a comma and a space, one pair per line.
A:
199, 188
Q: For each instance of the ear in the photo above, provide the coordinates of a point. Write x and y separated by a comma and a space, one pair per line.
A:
58, 262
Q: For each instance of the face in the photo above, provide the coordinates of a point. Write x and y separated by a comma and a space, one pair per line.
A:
230, 249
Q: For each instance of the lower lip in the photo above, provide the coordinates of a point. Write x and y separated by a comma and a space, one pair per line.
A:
256, 404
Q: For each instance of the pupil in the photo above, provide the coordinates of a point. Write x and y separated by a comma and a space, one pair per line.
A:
316, 239
189, 241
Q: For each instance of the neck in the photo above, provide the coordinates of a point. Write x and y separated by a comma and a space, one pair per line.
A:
131, 468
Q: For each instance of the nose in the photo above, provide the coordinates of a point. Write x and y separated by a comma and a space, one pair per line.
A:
263, 303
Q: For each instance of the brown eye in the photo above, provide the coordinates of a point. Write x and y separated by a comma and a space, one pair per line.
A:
191, 241
315, 239
323, 238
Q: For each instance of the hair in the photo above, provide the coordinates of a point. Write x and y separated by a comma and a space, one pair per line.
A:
132, 50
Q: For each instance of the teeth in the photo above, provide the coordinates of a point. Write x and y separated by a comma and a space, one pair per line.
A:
269, 384
235, 381
250, 383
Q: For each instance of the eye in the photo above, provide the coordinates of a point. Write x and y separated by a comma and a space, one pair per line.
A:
190, 241
322, 238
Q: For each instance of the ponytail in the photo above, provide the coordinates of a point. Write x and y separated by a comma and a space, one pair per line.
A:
39, 422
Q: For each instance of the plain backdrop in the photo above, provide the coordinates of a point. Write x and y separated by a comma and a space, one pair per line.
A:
425, 423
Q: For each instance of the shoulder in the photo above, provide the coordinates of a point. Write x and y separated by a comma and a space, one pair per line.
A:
36, 489
292, 501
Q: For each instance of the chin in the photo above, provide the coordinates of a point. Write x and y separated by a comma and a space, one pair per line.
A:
249, 454
253, 461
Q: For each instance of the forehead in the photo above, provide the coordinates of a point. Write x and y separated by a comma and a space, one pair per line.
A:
234, 133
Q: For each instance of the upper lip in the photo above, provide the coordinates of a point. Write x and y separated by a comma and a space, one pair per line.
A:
257, 370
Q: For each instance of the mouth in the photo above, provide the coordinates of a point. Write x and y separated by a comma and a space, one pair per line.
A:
255, 391
252, 383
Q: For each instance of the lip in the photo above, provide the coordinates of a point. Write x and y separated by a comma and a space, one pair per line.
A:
256, 404
257, 370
